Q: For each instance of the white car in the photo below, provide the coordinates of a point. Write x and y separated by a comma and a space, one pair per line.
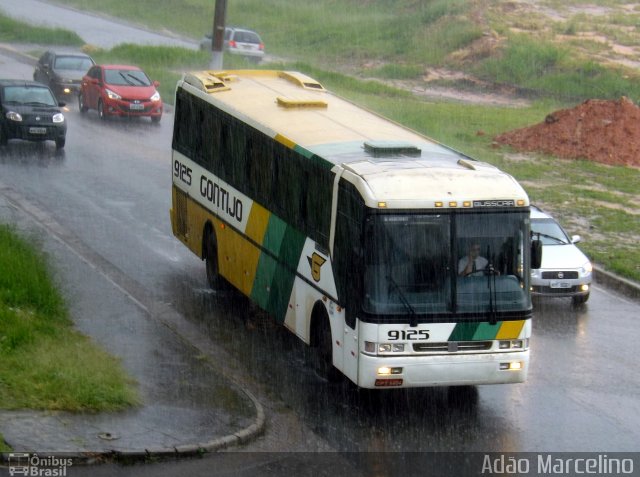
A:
565, 270
238, 41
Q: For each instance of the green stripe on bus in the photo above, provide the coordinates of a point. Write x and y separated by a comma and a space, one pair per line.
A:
266, 267
274, 234
285, 273
487, 331
313, 157
463, 332
262, 282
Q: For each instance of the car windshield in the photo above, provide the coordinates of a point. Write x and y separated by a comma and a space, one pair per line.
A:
126, 78
75, 63
549, 231
32, 95
246, 37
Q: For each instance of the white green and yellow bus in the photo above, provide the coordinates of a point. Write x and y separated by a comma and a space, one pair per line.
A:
352, 231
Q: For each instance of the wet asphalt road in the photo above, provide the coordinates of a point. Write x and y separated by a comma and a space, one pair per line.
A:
93, 29
111, 187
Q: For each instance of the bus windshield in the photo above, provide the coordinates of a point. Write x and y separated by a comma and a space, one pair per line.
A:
463, 263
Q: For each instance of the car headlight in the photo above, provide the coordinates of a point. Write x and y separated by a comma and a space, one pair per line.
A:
586, 269
112, 95
155, 97
13, 116
58, 118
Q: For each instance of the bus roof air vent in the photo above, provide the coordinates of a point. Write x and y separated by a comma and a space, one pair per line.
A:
207, 82
300, 102
301, 80
391, 148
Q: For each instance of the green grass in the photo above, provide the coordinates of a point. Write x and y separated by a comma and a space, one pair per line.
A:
547, 69
4, 447
46, 364
19, 32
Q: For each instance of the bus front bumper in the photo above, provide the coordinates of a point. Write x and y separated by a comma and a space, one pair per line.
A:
442, 370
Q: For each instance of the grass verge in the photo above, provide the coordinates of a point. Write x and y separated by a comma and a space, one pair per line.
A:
46, 364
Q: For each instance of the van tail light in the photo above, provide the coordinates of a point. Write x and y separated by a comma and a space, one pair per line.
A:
261, 46
232, 44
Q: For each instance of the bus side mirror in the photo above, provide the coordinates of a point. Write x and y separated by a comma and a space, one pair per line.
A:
536, 254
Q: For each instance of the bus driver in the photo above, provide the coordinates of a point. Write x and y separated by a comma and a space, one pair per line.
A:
472, 262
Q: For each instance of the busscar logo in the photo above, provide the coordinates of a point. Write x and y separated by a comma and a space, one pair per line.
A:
494, 203
34, 465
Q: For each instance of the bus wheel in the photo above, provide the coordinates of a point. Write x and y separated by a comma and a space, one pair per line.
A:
322, 343
211, 250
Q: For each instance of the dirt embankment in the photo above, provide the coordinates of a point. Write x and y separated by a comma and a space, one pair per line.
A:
598, 130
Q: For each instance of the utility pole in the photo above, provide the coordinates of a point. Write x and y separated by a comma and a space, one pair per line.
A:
217, 38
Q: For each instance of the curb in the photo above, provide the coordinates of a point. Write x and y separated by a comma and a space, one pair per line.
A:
620, 284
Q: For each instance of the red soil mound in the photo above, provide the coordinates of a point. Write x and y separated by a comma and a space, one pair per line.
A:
598, 130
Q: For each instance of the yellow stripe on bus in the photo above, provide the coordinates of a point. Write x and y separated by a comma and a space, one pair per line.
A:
510, 330
238, 258
285, 140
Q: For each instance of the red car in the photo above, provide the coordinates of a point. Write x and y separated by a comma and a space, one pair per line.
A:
120, 90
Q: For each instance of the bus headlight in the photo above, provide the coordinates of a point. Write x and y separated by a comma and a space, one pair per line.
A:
372, 347
391, 348
514, 344
512, 366
386, 371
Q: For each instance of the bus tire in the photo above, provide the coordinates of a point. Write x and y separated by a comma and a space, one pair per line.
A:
214, 279
322, 345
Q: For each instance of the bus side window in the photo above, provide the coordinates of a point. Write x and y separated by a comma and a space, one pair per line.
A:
317, 206
348, 255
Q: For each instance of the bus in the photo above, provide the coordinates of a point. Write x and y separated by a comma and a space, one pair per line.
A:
352, 231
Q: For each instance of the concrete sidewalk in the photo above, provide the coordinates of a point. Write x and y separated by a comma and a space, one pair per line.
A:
188, 406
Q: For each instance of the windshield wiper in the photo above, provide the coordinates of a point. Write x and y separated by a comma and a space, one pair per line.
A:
540, 234
126, 79
413, 321
491, 284
143, 83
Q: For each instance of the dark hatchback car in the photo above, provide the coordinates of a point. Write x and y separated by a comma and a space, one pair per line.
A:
30, 111
62, 72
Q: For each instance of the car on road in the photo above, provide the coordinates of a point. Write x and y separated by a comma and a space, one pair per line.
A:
238, 41
120, 90
565, 271
31, 112
62, 71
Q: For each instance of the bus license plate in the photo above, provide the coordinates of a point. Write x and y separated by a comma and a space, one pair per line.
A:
136, 107
38, 130
560, 285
